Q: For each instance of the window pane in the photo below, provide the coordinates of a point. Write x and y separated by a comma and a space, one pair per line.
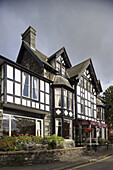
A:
35, 88
23, 126
9, 87
5, 125
26, 84
9, 72
58, 127
57, 66
41, 85
17, 75
17, 89
47, 87
17, 100
42, 97
65, 98
47, 99
10, 99
57, 97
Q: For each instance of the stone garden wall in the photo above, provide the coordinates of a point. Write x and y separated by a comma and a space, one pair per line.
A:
15, 158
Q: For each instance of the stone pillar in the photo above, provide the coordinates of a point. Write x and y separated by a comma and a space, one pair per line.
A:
47, 124
1, 124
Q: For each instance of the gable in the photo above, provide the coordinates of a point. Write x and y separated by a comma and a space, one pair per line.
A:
61, 56
85, 68
27, 59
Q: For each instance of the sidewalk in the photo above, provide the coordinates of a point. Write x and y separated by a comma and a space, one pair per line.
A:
62, 165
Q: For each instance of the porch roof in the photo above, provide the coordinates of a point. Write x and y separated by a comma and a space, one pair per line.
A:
88, 122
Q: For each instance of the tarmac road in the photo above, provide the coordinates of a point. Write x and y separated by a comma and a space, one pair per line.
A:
103, 164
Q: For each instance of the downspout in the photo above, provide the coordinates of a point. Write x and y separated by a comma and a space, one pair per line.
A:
76, 129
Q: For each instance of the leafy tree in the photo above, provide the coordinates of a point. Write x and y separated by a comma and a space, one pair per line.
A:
108, 97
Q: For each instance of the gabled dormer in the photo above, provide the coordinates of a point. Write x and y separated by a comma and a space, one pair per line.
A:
60, 62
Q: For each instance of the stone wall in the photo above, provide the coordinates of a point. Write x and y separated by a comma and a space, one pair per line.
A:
15, 158
30, 63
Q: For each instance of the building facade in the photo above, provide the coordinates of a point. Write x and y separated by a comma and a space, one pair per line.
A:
43, 95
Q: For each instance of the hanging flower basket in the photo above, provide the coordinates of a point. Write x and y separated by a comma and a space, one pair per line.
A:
89, 130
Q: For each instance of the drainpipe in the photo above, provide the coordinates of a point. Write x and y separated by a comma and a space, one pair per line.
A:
96, 137
90, 135
76, 129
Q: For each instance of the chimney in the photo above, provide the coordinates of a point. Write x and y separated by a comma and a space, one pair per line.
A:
29, 37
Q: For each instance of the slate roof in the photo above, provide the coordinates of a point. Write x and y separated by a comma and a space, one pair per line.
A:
99, 102
59, 80
40, 55
78, 69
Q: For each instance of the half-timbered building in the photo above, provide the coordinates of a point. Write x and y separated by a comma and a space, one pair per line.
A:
43, 95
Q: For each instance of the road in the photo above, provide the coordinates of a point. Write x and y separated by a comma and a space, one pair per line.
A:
104, 164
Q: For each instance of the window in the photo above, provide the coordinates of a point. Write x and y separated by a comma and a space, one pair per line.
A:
5, 125
9, 87
47, 87
82, 106
35, 88
41, 85
41, 97
58, 127
64, 98
17, 75
17, 89
57, 97
63, 70
47, 98
69, 100
26, 84
57, 66
9, 72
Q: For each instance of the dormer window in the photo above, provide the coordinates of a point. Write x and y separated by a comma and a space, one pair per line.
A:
60, 65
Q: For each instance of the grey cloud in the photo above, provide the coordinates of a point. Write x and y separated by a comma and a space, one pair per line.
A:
84, 27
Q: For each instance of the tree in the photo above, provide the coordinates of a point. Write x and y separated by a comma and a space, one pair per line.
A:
108, 97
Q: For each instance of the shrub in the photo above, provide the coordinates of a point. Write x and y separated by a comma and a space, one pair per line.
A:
103, 141
16, 143
111, 138
53, 141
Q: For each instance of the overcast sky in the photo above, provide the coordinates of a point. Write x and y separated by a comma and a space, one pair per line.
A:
83, 27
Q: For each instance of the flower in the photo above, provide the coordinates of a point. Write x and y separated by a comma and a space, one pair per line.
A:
89, 129
13, 135
22, 135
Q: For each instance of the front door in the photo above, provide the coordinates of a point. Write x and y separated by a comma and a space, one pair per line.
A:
67, 129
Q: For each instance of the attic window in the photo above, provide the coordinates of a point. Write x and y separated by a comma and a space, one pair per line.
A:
57, 66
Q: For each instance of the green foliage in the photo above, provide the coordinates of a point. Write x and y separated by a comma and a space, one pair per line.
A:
10, 143
37, 139
103, 141
111, 138
108, 96
54, 141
